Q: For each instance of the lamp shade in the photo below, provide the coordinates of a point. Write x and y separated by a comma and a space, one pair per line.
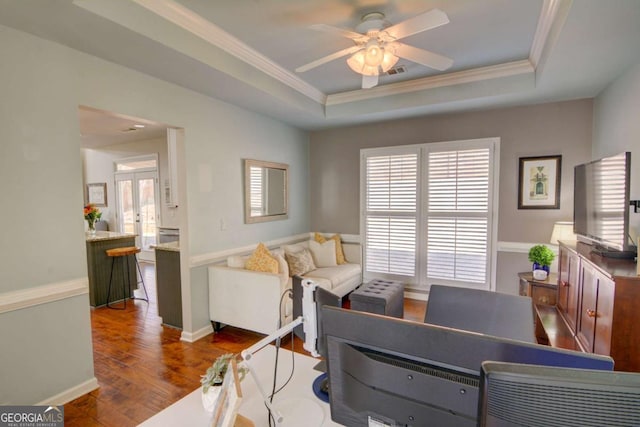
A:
562, 230
384, 59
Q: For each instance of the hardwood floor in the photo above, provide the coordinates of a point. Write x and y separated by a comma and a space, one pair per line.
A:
143, 367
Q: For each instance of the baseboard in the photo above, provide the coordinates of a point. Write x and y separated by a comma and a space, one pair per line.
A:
416, 295
195, 336
72, 393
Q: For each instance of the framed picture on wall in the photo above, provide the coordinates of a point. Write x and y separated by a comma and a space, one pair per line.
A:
539, 182
97, 194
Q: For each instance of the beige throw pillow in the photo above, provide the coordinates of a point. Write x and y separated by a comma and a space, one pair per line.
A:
340, 258
283, 267
300, 262
324, 254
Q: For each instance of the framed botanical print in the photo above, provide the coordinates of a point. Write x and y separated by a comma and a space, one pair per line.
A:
539, 182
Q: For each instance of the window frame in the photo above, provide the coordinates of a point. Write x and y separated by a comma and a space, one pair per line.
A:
419, 282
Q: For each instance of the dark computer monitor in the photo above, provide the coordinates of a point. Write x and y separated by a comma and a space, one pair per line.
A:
529, 395
398, 371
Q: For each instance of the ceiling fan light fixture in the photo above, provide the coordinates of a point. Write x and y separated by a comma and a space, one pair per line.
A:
374, 53
358, 63
388, 61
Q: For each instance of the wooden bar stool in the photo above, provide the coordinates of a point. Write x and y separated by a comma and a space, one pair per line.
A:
123, 254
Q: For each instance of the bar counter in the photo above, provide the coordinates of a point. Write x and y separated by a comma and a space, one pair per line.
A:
168, 284
99, 266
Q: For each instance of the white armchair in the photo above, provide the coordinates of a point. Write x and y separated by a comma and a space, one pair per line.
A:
247, 299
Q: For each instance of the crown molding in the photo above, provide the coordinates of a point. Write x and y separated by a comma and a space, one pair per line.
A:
206, 30
545, 22
450, 79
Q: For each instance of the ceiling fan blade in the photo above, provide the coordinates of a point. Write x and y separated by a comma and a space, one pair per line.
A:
423, 22
424, 57
369, 81
328, 58
339, 31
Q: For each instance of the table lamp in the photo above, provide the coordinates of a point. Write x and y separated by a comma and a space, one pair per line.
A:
562, 230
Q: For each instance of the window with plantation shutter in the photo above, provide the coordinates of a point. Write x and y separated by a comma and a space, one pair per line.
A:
458, 216
256, 191
391, 213
428, 213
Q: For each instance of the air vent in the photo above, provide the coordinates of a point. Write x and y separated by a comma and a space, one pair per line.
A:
397, 70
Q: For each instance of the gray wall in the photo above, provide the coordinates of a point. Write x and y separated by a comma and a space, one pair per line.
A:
558, 128
617, 128
42, 84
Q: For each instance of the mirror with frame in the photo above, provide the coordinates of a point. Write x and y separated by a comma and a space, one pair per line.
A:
265, 191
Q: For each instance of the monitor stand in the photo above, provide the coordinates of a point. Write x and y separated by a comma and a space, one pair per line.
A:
613, 253
321, 383
321, 387
321, 366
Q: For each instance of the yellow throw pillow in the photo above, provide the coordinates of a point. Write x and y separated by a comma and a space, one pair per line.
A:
262, 260
319, 238
340, 259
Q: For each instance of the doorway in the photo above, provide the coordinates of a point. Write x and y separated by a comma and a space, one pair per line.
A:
137, 201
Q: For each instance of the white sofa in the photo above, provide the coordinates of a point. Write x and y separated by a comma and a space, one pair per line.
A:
251, 300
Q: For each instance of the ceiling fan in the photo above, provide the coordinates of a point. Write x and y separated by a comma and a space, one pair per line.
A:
377, 48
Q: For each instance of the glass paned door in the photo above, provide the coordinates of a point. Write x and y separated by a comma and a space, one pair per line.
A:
137, 198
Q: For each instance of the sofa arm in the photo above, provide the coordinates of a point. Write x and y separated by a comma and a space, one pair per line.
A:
245, 299
352, 252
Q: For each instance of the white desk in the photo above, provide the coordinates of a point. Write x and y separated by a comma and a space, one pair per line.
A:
295, 399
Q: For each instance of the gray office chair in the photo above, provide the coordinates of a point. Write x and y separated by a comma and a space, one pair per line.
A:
490, 313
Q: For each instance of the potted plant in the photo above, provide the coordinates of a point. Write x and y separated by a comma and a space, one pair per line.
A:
541, 257
214, 377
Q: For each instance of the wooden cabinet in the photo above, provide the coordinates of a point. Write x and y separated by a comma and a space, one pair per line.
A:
606, 295
603, 316
99, 267
168, 285
587, 315
541, 291
568, 287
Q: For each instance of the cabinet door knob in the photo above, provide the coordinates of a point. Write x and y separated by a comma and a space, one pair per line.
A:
564, 284
591, 313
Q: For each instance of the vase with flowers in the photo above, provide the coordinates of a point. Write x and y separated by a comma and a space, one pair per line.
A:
92, 214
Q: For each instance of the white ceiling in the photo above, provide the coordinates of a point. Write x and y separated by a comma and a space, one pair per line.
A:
102, 128
505, 52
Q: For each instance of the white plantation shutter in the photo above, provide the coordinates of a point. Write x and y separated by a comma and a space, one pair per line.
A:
458, 215
256, 191
391, 213
428, 213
